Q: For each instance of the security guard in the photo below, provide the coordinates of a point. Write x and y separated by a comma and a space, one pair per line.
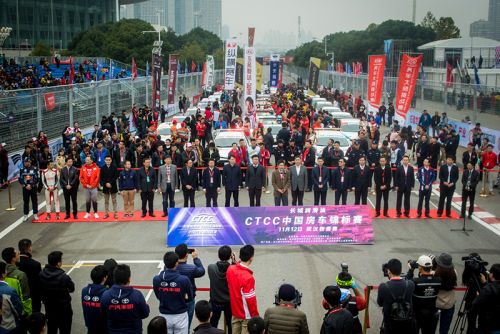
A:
354, 154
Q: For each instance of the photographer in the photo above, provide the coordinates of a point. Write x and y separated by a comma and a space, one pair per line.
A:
395, 298
353, 304
285, 318
475, 267
487, 304
425, 295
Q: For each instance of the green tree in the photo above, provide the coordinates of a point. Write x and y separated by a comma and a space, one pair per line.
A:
445, 28
429, 21
41, 49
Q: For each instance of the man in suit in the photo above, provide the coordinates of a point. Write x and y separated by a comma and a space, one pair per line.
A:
320, 179
470, 155
167, 183
470, 179
146, 183
448, 177
298, 181
361, 182
109, 176
404, 182
341, 182
211, 183
69, 184
254, 181
280, 179
231, 179
426, 176
309, 158
189, 181
382, 176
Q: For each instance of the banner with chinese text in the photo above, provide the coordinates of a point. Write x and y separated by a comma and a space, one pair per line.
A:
259, 64
376, 70
274, 72
250, 78
240, 64
157, 62
309, 225
407, 81
230, 64
210, 72
314, 67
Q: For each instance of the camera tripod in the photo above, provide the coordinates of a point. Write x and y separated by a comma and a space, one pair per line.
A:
462, 314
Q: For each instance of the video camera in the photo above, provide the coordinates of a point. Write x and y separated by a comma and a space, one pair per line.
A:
475, 265
296, 302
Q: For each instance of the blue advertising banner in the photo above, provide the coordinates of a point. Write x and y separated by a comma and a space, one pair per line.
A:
285, 225
274, 65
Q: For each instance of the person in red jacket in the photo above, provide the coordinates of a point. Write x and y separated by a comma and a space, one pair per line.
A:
489, 159
89, 178
241, 284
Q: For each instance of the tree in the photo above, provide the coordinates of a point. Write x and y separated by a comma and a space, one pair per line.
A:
445, 28
41, 49
429, 21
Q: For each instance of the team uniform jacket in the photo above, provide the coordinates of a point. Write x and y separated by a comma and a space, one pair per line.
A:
241, 285
89, 175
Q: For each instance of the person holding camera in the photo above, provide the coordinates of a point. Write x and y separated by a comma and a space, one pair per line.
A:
337, 320
353, 303
487, 303
425, 295
285, 318
395, 298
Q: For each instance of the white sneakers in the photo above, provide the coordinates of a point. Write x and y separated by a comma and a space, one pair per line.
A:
87, 215
25, 217
96, 216
35, 217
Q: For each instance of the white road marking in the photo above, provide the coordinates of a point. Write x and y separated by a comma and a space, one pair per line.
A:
77, 265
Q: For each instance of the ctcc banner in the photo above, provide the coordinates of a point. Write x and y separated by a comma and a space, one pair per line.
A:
407, 81
311, 225
314, 67
376, 69
172, 79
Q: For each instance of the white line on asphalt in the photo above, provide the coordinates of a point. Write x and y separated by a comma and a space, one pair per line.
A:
77, 265
123, 261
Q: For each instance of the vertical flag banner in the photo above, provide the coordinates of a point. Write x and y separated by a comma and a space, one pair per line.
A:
210, 72
376, 70
250, 77
134, 69
407, 81
387, 50
251, 35
172, 79
204, 76
274, 74
280, 81
240, 62
157, 62
71, 71
259, 63
314, 66
449, 73
230, 64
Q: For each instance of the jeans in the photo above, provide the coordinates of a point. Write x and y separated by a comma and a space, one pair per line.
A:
190, 312
177, 323
445, 320
217, 310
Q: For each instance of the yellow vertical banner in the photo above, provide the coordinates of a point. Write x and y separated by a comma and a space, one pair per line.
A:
259, 62
314, 67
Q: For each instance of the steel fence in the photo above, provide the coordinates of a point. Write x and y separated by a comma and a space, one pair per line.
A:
23, 113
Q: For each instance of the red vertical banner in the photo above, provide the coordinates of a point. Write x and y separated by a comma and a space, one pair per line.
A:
71, 71
251, 35
172, 79
449, 74
280, 80
204, 75
376, 69
134, 69
407, 81
50, 101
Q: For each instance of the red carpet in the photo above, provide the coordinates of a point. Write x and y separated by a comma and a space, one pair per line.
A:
413, 215
136, 218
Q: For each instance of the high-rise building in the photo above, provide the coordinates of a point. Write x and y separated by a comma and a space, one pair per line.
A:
176, 14
491, 28
148, 11
208, 15
184, 18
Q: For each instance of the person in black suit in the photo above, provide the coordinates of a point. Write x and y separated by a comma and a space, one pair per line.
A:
361, 182
382, 176
448, 177
404, 182
470, 179
146, 183
320, 178
109, 176
255, 180
470, 155
341, 182
189, 183
309, 158
231, 179
69, 184
211, 183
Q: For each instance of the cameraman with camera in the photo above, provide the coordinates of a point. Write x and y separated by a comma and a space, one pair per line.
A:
474, 269
285, 318
487, 303
425, 295
353, 303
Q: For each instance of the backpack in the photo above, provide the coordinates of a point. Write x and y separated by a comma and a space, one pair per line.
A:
400, 311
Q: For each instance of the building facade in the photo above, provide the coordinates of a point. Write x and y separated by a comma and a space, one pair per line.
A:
491, 27
208, 15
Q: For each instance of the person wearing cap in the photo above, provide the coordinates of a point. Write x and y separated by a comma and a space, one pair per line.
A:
337, 319
425, 295
28, 178
446, 296
285, 318
353, 154
353, 303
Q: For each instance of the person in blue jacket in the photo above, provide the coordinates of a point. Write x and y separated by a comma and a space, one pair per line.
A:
123, 306
174, 291
91, 301
12, 309
426, 176
425, 120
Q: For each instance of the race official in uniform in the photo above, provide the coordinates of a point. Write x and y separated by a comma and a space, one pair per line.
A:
211, 183
361, 182
382, 176
404, 182
426, 176
341, 182
320, 179
448, 177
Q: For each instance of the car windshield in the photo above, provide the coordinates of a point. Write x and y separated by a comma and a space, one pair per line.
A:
164, 131
342, 116
225, 142
352, 127
323, 140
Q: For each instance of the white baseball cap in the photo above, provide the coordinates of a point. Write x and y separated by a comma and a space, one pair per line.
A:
424, 261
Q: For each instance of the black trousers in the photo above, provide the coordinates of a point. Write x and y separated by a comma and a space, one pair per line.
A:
424, 195
147, 198
70, 196
341, 194
30, 195
309, 178
406, 194
471, 195
320, 195
211, 197
382, 194
445, 193
360, 195
297, 196
59, 319
168, 198
217, 310
254, 195
235, 194
188, 198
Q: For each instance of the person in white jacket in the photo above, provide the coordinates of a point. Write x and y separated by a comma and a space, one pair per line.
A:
50, 180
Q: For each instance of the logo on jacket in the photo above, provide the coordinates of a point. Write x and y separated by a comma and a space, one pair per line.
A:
125, 301
114, 301
95, 298
86, 298
173, 284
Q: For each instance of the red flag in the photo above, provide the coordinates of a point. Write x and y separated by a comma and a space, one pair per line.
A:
449, 74
71, 71
376, 69
340, 67
50, 101
204, 75
134, 69
407, 81
193, 66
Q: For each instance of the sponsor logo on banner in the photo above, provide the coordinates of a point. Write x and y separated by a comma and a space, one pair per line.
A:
314, 67
172, 79
210, 72
312, 225
376, 69
249, 82
157, 61
274, 74
259, 62
230, 66
407, 81
50, 101
240, 64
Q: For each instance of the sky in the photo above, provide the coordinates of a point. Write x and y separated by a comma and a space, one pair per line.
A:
322, 17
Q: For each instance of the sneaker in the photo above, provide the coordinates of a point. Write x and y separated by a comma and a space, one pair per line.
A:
96, 216
57, 216
25, 217
35, 217
177, 190
106, 216
47, 217
87, 215
115, 216
75, 216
